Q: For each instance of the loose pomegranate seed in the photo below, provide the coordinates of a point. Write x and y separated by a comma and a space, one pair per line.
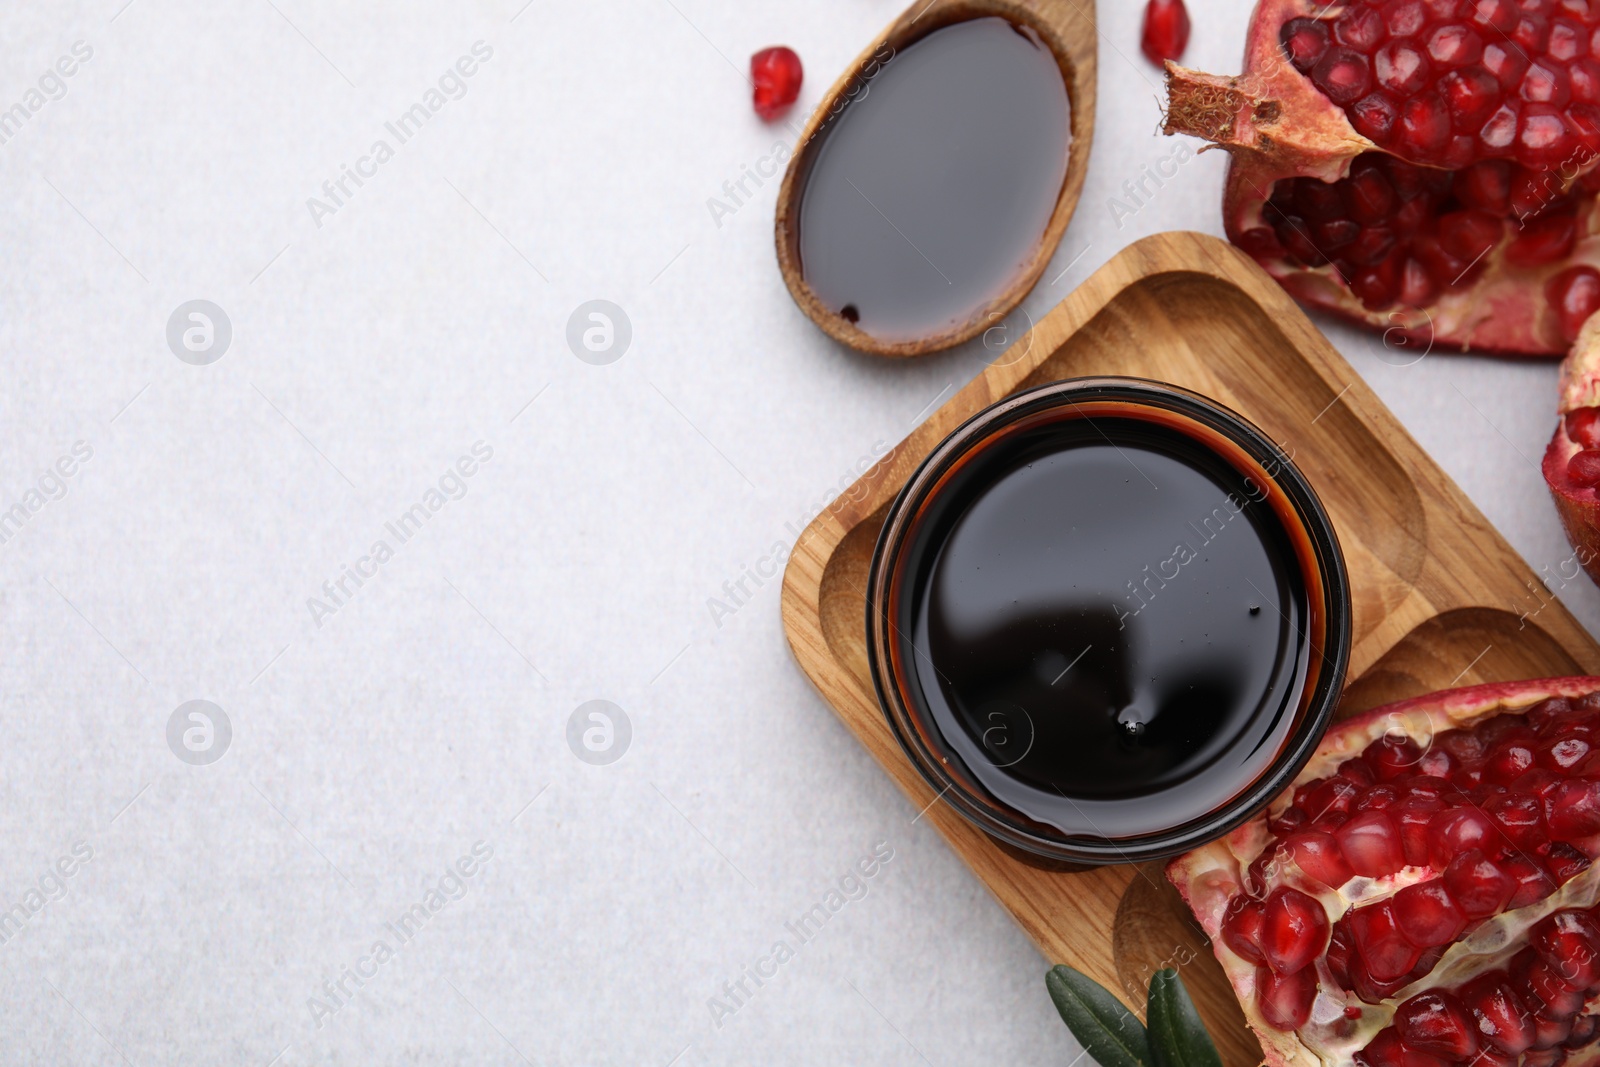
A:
776, 75
1319, 856
1241, 930
1294, 930
1427, 915
1166, 30
1437, 1023
1575, 295
1477, 885
1380, 944
1583, 427
1285, 999
1371, 843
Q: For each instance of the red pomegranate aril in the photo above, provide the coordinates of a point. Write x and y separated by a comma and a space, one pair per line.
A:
1542, 136
1575, 295
1370, 199
1485, 186
1564, 861
1340, 953
1567, 40
1387, 953
1498, 15
1569, 943
1566, 753
1585, 1031
1471, 95
1583, 427
1546, 240
1424, 127
1437, 1023
1583, 78
1401, 68
1458, 830
1532, 32
1377, 798
1371, 843
1454, 45
1294, 930
1330, 795
1374, 117
1478, 885
775, 76
1584, 469
1508, 762
1332, 236
1533, 881
1427, 915
1241, 930
1291, 821
1548, 1031
1284, 1000
1387, 1050
1318, 855
1573, 810
1342, 75
1166, 30
1556, 995
1304, 41
1413, 815
1373, 247
1552, 1057
1503, 1022
1547, 83
1361, 28
1499, 133
1520, 817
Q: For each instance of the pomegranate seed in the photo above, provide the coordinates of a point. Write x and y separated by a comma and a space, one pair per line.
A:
1427, 915
1472, 95
1569, 942
1371, 843
1508, 762
1436, 763
1241, 930
1584, 468
1533, 881
1386, 1050
1575, 295
1289, 822
1468, 234
1401, 68
1405, 19
1564, 861
1361, 28
1498, 15
1499, 133
1339, 953
1477, 885
1437, 1023
1573, 810
1318, 855
1374, 117
1546, 240
1531, 32
1329, 795
1583, 427
1503, 1021
1547, 82
1585, 1031
1166, 30
1485, 186
1380, 944
1583, 79
1542, 136
1550, 990
1567, 752
1520, 817
1454, 45
1551, 1057
1373, 247
1294, 930
1342, 75
1459, 830
776, 75
1304, 42
1284, 1000
1548, 1031
1413, 815
1567, 40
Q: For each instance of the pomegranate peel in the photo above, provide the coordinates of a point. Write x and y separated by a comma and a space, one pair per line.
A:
1569, 465
1403, 957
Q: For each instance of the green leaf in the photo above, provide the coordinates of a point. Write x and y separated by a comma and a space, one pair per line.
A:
1103, 1025
1177, 1036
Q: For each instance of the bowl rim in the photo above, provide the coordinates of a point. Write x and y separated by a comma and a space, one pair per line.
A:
998, 820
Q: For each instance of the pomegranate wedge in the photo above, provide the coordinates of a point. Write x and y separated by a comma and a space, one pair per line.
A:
1424, 895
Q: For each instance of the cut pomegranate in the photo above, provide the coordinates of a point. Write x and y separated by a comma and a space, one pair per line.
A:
1423, 895
775, 77
1166, 30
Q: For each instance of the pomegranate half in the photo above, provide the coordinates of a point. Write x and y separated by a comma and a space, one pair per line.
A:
1430, 168
1425, 894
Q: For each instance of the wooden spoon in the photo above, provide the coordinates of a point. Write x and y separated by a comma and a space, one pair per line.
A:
1068, 28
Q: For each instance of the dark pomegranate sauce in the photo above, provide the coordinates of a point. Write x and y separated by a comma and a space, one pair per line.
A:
1105, 622
927, 194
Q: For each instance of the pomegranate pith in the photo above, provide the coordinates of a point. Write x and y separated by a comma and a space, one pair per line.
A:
1479, 944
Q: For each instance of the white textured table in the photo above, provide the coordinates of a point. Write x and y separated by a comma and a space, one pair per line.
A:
373, 738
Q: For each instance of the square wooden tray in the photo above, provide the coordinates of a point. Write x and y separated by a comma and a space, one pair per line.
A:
1439, 598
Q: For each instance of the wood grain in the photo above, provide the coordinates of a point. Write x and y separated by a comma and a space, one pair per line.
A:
1439, 598
1068, 27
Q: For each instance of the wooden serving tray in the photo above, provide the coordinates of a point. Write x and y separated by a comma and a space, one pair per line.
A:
1439, 598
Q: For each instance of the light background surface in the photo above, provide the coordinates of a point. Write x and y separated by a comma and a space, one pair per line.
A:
367, 355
